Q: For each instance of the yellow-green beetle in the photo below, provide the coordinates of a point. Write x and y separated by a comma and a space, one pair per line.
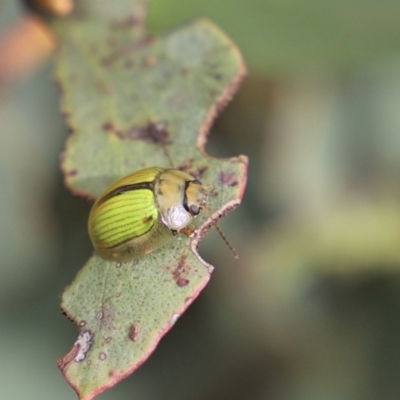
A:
143, 211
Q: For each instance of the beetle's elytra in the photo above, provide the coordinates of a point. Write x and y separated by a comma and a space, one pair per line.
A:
143, 211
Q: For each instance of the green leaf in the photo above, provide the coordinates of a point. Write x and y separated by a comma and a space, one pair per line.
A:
133, 102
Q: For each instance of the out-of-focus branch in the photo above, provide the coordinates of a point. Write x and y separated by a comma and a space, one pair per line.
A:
23, 47
60, 8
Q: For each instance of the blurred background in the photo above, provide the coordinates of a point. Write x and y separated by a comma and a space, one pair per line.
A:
312, 308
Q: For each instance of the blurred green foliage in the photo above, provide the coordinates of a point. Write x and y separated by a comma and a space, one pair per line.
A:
283, 36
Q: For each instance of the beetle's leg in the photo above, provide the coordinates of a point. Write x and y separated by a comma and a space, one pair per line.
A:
188, 231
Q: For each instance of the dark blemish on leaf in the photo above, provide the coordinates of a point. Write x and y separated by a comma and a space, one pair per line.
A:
121, 53
217, 77
133, 332
196, 172
102, 356
179, 271
228, 179
112, 373
108, 339
201, 171
187, 166
118, 294
154, 133
182, 282
66, 315
213, 193
73, 172
99, 315
109, 127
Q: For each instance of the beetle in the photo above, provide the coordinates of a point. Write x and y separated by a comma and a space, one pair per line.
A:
143, 211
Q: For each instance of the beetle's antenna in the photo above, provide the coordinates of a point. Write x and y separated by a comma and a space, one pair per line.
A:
224, 238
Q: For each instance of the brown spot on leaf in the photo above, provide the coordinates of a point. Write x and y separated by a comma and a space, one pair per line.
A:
154, 133
180, 268
178, 273
228, 179
133, 332
112, 373
121, 53
191, 168
109, 127
182, 282
201, 171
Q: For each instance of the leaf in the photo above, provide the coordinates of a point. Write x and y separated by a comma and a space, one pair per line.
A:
132, 102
